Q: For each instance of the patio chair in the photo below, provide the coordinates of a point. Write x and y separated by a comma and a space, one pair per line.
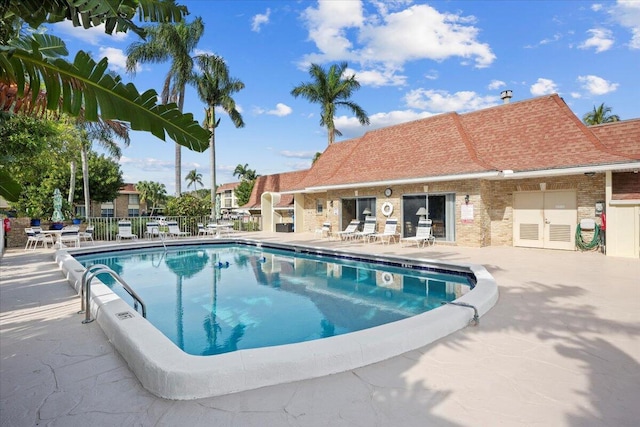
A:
124, 231
348, 232
69, 235
324, 231
153, 230
368, 229
204, 231
174, 230
423, 234
87, 234
389, 232
34, 238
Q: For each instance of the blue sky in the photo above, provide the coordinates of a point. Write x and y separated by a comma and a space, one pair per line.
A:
414, 59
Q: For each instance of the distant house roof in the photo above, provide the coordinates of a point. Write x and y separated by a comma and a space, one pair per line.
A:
536, 134
128, 188
225, 187
276, 183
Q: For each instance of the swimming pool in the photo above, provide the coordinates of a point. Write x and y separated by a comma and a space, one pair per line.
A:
168, 372
212, 299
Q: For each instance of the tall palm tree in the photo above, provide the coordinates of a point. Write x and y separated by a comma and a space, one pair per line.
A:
174, 42
331, 90
215, 88
244, 173
194, 178
600, 115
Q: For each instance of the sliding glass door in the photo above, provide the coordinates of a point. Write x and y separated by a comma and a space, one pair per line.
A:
440, 209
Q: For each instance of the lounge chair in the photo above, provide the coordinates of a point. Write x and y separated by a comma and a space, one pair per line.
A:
69, 235
205, 231
389, 232
153, 230
368, 229
124, 231
348, 232
174, 230
423, 234
87, 234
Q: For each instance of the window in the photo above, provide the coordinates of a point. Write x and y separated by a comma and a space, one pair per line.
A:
107, 210
134, 212
80, 211
319, 206
134, 199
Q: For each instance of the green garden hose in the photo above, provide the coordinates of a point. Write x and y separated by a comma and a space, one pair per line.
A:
582, 245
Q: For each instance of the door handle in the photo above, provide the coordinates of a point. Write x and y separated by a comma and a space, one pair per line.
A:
546, 221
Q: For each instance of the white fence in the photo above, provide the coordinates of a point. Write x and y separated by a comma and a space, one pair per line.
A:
107, 228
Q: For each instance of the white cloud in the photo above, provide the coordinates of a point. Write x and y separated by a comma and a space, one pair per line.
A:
377, 78
596, 7
259, 20
627, 14
117, 58
432, 75
281, 110
597, 85
298, 154
543, 87
147, 164
94, 35
601, 39
198, 52
442, 101
576, 95
496, 84
384, 42
351, 127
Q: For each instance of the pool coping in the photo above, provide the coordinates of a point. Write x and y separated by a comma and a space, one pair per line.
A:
168, 372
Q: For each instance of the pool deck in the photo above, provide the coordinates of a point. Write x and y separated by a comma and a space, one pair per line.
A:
560, 348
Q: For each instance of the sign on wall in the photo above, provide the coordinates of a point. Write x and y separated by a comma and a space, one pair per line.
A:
466, 213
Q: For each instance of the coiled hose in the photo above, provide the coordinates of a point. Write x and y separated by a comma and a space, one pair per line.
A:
584, 246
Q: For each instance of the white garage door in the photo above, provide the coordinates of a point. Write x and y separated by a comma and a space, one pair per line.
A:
545, 219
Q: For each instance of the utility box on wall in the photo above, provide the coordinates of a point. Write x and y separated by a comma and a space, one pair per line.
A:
284, 227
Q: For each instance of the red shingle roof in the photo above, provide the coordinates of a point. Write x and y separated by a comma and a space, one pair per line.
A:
536, 134
276, 183
224, 187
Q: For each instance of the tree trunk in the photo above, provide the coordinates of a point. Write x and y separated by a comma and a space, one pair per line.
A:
72, 182
179, 149
212, 149
85, 182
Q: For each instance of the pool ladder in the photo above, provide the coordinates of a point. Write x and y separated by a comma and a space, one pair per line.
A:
85, 290
476, 319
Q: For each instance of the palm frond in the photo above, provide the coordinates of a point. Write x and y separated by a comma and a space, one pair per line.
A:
86, 84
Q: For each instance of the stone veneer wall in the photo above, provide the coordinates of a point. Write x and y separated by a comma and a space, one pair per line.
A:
492, 202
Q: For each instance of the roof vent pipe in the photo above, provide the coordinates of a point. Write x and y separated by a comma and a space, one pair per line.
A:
506, 95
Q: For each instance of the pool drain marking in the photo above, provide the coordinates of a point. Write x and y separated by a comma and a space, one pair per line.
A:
124, 315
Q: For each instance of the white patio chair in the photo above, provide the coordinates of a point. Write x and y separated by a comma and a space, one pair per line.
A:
368, 229
69, 235
87, 234
324, 231
124, 231
423, 234
153, 230
389, 232
174, 230
348, 232
34, 238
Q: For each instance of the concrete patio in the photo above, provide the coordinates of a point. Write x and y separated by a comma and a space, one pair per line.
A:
561, 348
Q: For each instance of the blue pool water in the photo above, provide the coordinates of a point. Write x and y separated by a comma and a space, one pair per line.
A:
212, 299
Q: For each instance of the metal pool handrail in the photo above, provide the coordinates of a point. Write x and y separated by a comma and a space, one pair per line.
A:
85, 295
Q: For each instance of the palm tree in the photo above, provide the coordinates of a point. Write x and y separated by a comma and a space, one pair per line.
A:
153, 192
174, 42
600, 115
215, 88
331, 90
194, 178
244, 173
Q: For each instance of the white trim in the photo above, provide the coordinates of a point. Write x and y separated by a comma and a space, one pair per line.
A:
630, 202
580, 170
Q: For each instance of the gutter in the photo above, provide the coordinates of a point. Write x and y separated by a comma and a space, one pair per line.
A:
509, 174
